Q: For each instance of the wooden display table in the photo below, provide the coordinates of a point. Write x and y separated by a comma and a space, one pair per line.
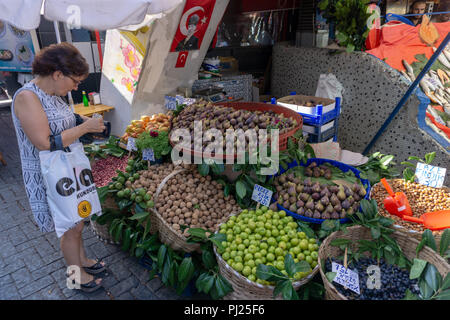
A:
91, 109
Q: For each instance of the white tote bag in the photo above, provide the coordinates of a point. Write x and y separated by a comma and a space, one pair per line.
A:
71, 192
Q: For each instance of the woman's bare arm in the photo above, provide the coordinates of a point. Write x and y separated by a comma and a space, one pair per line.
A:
33, 119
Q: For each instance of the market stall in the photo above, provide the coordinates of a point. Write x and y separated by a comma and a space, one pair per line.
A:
231, 200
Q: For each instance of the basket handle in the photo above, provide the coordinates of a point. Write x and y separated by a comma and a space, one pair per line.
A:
163, 183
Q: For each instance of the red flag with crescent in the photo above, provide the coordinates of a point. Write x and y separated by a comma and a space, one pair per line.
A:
193, 25
181, 60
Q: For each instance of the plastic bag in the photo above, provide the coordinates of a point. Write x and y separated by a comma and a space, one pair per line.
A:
71, 192
329, 87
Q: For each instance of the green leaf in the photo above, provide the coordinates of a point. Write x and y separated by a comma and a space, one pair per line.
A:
445, 242
226, 190
417, 268
208, 259
420, 246
289, 265
222, 286
162, 252
124, 203
204, 282
269, 273
444, 295
410, 296
446, 282
306, 229
414, 158
166, 270
327, 225
331, 276
431, 276
425, 289
287, 290
340, 242
376, 233
241, 189
429, 157
203, 169
126, 239
430, 242
197, 232
218, 168
118, 233
139, 216
186, 270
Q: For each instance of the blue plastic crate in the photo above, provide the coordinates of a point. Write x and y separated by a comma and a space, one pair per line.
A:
319, 118
344, 167
323, 136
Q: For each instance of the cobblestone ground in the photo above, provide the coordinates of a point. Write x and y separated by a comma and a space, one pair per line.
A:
31, 262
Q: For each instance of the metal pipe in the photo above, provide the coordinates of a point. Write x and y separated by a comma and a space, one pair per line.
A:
408, 93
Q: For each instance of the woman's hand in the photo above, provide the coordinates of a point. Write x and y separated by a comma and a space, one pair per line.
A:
94, 125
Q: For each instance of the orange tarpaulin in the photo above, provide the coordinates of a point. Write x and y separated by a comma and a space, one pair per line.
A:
399, 41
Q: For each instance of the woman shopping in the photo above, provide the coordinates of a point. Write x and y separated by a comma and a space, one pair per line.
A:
43, 121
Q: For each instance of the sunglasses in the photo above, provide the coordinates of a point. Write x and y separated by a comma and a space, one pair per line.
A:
76, 82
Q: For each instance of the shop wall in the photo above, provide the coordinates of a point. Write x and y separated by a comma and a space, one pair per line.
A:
372, 90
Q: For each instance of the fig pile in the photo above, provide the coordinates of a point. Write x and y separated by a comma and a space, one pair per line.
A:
315, 200
224, 118
313, 170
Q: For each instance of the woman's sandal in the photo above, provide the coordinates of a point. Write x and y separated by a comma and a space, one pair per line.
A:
96, 268
91, 286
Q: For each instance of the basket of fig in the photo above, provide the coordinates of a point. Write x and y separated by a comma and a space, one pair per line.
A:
184, 200
264, 256
421, 199
319, 190
359, 264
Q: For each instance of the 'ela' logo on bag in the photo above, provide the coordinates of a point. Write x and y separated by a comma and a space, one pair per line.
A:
84, 209
65, 185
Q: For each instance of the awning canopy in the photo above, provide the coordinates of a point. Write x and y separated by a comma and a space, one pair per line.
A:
88, 14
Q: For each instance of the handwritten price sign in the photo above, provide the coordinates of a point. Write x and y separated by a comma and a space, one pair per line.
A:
148, 154
346, 277
131, 144
430, 175
262, 195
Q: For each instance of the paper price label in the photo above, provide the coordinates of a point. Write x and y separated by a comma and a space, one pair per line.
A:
346, 277
430, 175
131, 144
262, 195
148, 155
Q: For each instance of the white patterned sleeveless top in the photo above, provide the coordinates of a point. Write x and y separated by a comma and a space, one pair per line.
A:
60, 117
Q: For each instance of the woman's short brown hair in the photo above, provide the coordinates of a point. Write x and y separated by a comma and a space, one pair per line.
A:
62, 57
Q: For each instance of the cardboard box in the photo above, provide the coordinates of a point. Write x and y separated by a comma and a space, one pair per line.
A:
229, 64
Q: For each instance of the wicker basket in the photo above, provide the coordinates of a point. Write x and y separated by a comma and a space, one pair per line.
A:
410, 232
101, 231
255, 106
244, 289
406, 243
167, 234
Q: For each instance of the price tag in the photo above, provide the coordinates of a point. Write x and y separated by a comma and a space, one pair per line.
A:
346, 277
430, 175
131, 144
262, 195
148, 155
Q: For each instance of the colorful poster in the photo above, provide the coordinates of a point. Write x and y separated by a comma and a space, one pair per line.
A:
122, 64
193, 25
16, 49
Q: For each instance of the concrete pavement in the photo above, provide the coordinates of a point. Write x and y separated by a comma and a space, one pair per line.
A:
31, 262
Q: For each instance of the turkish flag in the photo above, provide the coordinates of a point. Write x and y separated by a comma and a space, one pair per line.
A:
193, 24
182, 57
